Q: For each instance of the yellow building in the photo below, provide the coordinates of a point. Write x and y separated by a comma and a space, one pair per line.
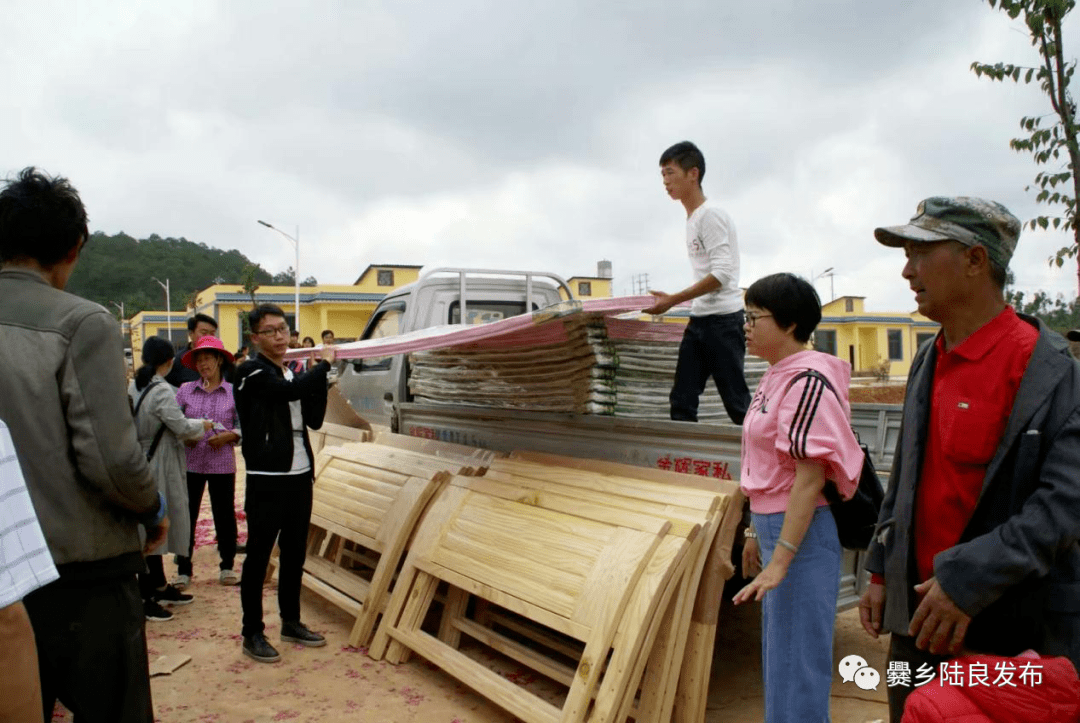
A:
589, 287
870, 339
156, 323
592, 287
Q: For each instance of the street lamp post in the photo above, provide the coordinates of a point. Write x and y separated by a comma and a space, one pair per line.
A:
832, 290
168, 306
296, 271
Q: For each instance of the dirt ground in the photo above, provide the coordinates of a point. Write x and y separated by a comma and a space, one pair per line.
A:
340, 683
877, 394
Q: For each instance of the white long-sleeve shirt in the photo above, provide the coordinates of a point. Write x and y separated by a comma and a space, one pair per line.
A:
713, 247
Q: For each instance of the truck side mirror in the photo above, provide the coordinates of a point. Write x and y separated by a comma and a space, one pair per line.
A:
357, 364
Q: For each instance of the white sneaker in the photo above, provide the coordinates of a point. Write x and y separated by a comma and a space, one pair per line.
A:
181, 582
229, 577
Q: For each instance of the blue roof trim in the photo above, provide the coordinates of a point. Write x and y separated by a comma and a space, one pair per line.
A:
877, 320
177, 317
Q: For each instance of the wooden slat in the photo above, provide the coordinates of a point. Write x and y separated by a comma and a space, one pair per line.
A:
517, 651
349, 584
493, 686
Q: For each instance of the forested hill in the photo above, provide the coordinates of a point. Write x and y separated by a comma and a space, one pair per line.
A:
121, 269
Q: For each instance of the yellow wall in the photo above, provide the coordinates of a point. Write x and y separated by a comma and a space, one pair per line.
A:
600, 287
369, 280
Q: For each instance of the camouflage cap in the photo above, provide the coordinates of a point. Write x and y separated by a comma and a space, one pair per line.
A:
971, 221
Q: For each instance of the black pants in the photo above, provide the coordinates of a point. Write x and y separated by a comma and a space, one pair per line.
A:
712, 346
222, 503
277, 507
902, 648
154, 578
91, 642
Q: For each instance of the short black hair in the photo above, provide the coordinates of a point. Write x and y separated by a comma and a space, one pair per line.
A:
295, 332
790, 299
41, 218
686, 156
194, 321
156, 351
325, 332
260, 312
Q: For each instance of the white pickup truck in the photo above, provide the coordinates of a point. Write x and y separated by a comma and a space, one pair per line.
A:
378, 390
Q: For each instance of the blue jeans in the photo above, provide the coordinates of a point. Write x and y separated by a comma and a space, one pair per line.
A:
797, 619
712, 346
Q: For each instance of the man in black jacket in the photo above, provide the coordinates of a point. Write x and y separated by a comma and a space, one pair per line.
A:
275, 409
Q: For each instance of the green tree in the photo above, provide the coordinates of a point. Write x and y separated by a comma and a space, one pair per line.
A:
1051, 138
288, 278
119, 269
1058, 313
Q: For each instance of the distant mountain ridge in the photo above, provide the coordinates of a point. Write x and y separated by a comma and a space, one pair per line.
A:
120, 270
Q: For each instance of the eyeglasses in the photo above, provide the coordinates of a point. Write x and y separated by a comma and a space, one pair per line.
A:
276, 331
752, 319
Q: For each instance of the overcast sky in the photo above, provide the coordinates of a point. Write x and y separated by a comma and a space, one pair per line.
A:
526, 135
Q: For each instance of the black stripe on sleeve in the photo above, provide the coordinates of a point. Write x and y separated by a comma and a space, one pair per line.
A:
804, 417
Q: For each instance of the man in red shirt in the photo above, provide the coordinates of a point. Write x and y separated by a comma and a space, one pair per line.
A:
977, 545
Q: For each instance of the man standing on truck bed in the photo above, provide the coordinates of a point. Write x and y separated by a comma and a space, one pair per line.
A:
275, 409
978, 543
713, 344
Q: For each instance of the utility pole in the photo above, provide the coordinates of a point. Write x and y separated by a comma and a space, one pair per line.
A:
168, 306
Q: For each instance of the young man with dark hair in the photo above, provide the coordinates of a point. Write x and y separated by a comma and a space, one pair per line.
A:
198, 326
275, 407
63, 396
328, 337
978, 543
713, 344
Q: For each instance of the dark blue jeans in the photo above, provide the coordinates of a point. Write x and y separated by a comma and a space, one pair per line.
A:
712, 346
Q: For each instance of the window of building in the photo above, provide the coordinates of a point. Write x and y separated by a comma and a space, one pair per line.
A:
386, 277
923, 337
584, 288
825, 341
849, 305
896, 344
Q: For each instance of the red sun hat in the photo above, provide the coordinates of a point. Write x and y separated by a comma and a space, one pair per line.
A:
207, 342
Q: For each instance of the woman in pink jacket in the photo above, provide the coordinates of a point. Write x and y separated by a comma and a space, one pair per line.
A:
796, 439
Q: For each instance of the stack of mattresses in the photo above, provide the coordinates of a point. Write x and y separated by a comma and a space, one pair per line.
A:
647, 354
367, 500
557, 372
595, 365
588, 576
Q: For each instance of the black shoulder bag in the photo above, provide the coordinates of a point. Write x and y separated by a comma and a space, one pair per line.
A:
855, 518
161, 429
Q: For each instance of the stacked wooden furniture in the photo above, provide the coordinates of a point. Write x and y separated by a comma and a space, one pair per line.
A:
698, 641
367, 500
334, 435
596, 568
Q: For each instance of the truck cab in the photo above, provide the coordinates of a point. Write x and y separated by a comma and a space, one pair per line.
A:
439, 297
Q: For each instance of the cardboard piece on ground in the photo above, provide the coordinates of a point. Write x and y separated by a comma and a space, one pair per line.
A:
168, 664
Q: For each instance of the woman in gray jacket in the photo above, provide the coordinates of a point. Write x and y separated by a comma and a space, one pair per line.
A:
162, 426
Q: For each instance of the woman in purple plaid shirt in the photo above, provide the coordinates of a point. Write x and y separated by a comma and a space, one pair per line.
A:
211, 462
